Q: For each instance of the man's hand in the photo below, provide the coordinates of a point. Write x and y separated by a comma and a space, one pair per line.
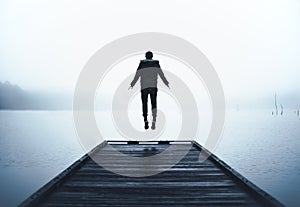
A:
130, 87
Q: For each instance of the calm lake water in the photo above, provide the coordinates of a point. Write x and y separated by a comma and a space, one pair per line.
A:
35, 146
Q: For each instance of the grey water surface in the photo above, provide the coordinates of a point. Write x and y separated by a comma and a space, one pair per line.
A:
35, 146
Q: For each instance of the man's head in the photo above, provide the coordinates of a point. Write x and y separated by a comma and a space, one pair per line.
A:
149, 55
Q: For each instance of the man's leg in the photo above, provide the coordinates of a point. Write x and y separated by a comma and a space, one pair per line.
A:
153, 96
144, 95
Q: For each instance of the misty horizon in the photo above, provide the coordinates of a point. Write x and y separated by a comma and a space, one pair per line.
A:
254, 50
62, 100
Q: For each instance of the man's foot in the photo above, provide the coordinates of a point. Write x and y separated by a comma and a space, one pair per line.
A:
153, 125
146, 125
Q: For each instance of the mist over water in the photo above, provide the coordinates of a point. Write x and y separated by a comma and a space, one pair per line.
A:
254, 47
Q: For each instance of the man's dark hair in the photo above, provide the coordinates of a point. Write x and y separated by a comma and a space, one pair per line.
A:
149, 55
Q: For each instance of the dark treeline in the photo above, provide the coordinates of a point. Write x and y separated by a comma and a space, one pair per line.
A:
12, 97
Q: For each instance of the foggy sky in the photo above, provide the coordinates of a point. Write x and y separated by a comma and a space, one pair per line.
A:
254, 45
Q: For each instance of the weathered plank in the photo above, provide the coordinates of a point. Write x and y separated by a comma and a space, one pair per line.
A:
188, 183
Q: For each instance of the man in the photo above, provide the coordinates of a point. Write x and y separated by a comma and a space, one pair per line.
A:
148, 70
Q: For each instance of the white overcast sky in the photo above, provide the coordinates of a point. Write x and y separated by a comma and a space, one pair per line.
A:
254, 45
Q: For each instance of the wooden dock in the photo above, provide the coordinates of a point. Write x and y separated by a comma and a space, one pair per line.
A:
188, 183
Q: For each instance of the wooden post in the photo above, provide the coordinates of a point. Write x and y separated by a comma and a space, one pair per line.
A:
276, 108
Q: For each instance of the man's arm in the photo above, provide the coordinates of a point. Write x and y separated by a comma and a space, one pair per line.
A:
162, 75
136, 77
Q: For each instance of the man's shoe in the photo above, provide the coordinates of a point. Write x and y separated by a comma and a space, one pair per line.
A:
146, 125
153, 125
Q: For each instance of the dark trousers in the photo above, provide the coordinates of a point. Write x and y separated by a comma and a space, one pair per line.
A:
153, 94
